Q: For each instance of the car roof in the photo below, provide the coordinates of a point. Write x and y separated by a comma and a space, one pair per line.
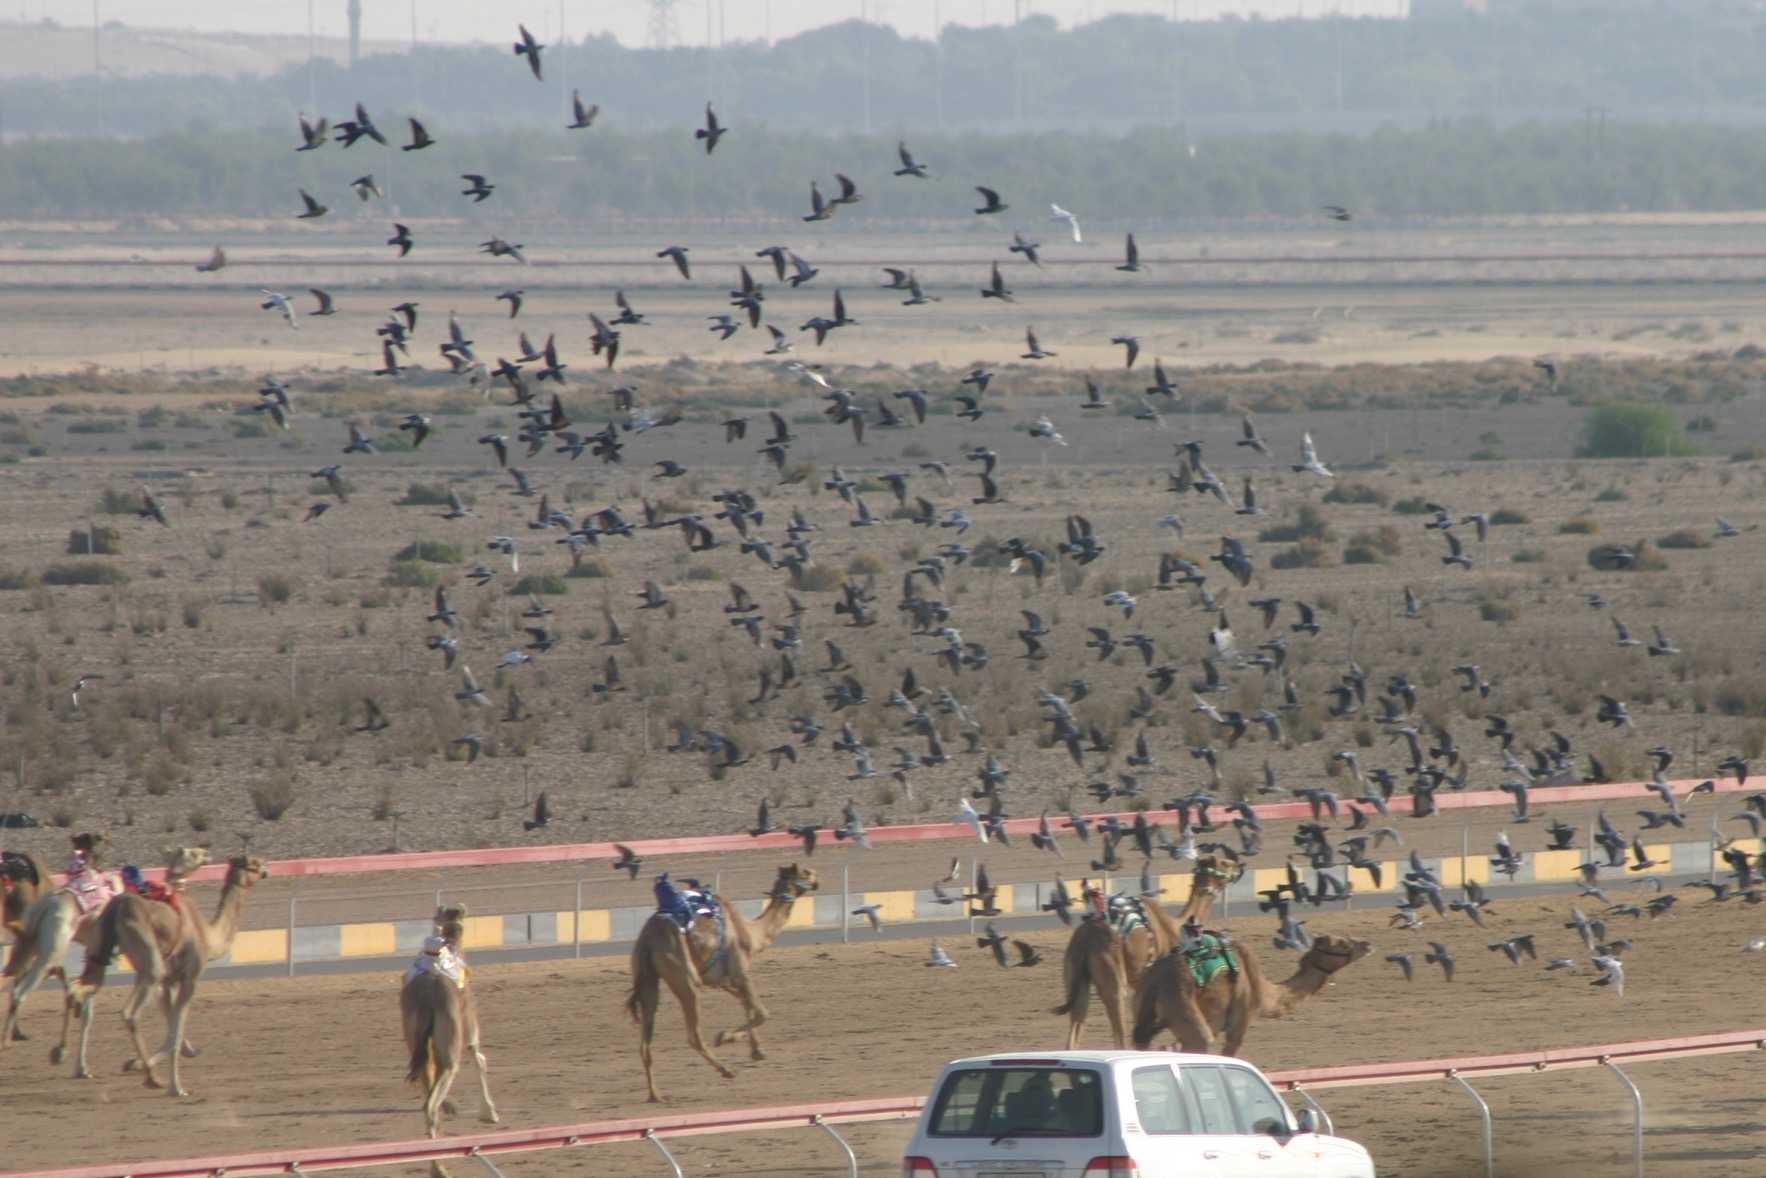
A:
1104, 1058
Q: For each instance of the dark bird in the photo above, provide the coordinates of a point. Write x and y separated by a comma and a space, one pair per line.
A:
529, 48
712, 131
542, 814
419, 137
628, 861
908, 165
993, 205
401, 237
476, 188
313, 207
679, 254
584, 116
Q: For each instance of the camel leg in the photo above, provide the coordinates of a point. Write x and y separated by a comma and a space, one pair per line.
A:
1239, 1016
43, 960
688, 996
178, 1009
1110, 993
70, 1005
438, 1095
144, 988
488, 1109
81, 1070
756, 1015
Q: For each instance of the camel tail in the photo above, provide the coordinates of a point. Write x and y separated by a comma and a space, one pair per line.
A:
1078, 987
1146, 1005
645, 982
422, 1037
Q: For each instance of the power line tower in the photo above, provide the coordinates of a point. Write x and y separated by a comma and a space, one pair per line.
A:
355, 18
665, 31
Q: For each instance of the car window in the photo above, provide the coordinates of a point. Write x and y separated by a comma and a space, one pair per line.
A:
1158, 1101
1259, 1109
1214, 1105
1020, 1102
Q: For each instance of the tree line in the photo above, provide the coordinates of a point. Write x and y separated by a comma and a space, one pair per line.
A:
1157, 176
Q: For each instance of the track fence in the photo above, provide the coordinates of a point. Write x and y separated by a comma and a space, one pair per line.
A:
481, 1148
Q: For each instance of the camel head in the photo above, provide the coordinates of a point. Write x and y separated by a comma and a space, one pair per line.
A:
1214, 874
245, 870
1330, 953
181, 861
794, 881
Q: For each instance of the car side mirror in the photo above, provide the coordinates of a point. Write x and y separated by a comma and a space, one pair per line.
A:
1305, 1121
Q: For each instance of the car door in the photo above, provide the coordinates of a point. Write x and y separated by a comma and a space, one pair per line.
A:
1217, 1147
1261, 1114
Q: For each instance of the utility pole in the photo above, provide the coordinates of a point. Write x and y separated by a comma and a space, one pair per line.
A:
1018, 62
98, 64
416, 93
938, 59
864, 32
312, 80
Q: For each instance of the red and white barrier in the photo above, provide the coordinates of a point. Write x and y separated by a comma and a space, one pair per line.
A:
341, 1157
924, 832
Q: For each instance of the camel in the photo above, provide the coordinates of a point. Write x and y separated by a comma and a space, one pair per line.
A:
709, 955
24, 879
49, 925
1167, 996
169, 944
440, 1018
1097, 956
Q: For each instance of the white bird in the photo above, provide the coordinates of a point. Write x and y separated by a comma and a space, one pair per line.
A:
273, 299
1309, 463
1044, 428
967, 816
1612, 973
1057, 213
805, 371
939, 959
1755, 945
514, 658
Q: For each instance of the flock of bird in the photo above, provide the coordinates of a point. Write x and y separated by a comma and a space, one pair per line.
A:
1124, 629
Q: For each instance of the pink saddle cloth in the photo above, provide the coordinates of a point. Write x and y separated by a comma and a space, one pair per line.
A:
91, 890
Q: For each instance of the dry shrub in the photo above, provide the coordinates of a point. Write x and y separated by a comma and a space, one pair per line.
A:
272, 798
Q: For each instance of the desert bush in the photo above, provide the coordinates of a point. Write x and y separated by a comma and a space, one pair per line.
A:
1633, 430
409, 574
1613, 495
1308, 524
1504, 517
1413, 505
99, 425
700, 572
433, 551
864, 564
274, 588
114, 502
1579, 526
1647, 559
104, 541
1683, 538
271, 799
425, 495
16, 579
94, 573
1310, 553
818, 579
1528, 556
1356, 493
550, 584
1500, 612
589, 566
192, 609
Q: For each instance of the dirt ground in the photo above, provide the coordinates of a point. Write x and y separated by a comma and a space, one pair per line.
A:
319, 1060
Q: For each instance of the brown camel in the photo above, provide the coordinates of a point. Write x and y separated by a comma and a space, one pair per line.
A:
24, 879
1097, 956
440, 1018
709, 955
1168, 997
169, 944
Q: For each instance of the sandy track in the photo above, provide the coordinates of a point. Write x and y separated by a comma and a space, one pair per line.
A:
319, 1060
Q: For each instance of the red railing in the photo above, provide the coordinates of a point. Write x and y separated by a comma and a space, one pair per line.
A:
780, 841
340, 1157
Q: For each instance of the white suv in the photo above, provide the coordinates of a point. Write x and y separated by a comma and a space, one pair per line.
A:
1118, 1114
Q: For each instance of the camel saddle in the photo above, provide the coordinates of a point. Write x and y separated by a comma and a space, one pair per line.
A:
91, 889
1125, 914
1206, 955
695, 903
16, 869
438, 957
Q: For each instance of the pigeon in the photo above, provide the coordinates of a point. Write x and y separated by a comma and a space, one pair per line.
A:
939, 959
992, 202
529, 48
712, 131
1438, 955
584, 116
628, 861
542, 814
1057, 213
871, 913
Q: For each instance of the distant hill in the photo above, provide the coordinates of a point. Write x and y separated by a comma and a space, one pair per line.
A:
51, 51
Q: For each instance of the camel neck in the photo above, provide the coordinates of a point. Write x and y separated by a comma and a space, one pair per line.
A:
1197, 907
1307, 981
217, 934
771, 922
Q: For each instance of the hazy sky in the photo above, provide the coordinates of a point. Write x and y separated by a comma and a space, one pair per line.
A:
478, 20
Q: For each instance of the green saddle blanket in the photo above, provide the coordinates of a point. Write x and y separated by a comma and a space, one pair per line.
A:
1207, 955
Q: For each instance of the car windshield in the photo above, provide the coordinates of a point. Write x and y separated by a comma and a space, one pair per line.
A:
1020, 1102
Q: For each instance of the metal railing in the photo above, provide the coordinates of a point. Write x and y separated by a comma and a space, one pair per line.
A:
1301, 1082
